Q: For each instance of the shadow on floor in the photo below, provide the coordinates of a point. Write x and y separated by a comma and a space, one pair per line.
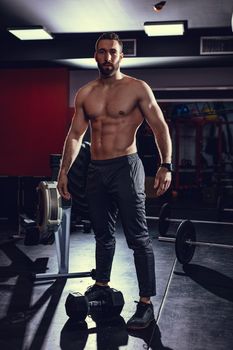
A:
19, 312
151, 336
21, 264
110, 334
213, 281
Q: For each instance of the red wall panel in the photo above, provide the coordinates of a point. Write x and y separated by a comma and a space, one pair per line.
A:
34, 117
71, 113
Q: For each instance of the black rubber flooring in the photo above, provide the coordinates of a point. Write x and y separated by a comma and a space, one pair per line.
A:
193, 306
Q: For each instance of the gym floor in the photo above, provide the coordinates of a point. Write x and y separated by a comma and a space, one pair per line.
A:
193, 306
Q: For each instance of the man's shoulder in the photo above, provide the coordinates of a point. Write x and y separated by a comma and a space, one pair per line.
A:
89, 86
136, 84
135, 81
86, 89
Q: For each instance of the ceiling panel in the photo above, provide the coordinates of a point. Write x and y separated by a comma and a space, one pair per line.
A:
72, 21
83, 16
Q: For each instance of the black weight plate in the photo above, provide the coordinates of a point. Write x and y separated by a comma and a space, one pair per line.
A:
117, 302
77, 307
111, 308
163, 223
184, 251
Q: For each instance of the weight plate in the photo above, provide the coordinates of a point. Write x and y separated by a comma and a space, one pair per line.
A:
184, 251
113, 303
76, 307
49, 211
163, 223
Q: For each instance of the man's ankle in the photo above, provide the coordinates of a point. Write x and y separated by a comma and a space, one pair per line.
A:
145, 300
101, 284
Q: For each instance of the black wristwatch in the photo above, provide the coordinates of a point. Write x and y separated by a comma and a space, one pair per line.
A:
168, 166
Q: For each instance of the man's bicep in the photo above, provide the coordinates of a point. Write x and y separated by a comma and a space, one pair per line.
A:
79, 122
150, 108
154, 115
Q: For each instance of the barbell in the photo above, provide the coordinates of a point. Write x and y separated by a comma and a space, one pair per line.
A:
164, 220
186, 243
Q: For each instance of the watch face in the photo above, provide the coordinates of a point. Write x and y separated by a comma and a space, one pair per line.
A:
168, 166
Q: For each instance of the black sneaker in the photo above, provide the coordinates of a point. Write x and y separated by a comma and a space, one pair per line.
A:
143, 316
96, 292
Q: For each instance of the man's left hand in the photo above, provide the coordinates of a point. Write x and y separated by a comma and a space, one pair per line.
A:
162, 181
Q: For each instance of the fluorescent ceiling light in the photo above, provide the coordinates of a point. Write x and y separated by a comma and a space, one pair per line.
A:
30, 33
164, 28
130, 62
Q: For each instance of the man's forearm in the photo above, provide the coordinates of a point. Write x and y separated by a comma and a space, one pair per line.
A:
70, 151
164, 145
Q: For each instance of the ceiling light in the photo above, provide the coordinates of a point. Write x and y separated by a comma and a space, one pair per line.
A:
164, 28
35, 33
157, 7
132, 62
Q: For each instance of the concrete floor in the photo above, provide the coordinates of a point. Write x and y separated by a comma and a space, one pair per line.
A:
194, 311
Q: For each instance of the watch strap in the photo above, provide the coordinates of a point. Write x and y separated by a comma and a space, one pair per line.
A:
168, 166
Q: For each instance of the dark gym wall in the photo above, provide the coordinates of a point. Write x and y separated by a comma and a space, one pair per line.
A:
34, 119
162, 78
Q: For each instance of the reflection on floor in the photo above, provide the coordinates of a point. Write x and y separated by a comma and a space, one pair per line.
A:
194, 311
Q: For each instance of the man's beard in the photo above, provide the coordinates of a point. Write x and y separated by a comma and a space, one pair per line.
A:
108, 69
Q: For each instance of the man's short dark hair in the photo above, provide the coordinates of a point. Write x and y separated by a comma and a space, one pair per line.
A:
109, 36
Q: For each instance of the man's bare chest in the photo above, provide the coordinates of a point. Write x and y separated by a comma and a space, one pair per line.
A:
112, 103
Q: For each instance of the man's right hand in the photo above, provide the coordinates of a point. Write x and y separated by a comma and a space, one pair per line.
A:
62, 186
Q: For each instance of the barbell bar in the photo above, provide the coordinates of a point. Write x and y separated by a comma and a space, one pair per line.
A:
185, 242
210, 244
164, 220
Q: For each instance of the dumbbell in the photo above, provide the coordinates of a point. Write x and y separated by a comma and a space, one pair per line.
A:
78, 307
